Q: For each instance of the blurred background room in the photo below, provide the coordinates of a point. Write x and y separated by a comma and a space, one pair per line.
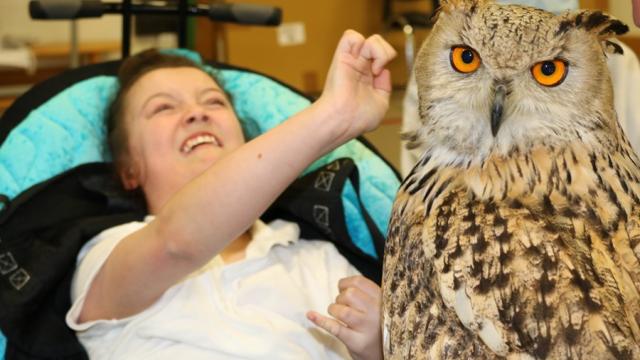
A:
297, 52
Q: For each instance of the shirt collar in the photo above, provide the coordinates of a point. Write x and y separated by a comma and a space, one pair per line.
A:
266, 236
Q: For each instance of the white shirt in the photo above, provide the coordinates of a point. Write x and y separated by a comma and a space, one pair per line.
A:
251, 309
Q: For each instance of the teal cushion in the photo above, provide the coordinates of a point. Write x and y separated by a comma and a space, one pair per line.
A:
68, 130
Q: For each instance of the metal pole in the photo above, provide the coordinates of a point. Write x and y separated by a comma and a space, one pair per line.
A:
220, 39
74, 57
126, 28
183, 5
221, 44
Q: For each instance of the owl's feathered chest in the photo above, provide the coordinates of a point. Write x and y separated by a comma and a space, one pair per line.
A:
575, 181
532, 253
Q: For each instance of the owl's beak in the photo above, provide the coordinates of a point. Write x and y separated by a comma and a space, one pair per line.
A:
496, 109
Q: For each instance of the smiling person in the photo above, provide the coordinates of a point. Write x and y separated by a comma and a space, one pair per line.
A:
202, 276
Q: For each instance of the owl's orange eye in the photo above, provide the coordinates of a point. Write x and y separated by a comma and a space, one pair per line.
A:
464, 59
550, 73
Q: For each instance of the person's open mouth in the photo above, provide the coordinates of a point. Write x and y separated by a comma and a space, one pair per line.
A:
197, 140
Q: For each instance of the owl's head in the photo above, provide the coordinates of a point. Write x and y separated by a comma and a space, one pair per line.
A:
496, 78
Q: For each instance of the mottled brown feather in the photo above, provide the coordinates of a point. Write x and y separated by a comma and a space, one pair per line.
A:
554, 267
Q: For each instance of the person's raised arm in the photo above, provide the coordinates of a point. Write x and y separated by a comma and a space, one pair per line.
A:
223, 202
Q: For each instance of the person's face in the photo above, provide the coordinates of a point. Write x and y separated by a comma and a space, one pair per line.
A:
179, 122
636, 11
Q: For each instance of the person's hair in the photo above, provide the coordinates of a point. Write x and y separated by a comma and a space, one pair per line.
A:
131, 70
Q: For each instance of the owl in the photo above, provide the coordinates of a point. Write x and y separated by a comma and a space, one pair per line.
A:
517, 234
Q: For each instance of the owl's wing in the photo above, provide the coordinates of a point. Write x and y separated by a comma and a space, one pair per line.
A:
549, 267
417, 323
409, 284
538, 274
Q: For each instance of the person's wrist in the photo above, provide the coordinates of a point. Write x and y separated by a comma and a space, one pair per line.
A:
335, 120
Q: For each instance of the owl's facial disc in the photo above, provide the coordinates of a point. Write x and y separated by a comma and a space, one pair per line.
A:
497, 107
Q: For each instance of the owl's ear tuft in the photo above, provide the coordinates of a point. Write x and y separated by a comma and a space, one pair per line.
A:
612, 47
597, 23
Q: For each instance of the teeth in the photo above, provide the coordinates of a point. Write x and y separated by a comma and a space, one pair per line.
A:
202, 139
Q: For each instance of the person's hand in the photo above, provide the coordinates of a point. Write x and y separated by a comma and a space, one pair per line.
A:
636, 11
358, 86
356, 321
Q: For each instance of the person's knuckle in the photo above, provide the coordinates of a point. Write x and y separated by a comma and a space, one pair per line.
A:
333, 310
337, 330
342, 298
350, 293
360, 281
353, 33
348, 315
